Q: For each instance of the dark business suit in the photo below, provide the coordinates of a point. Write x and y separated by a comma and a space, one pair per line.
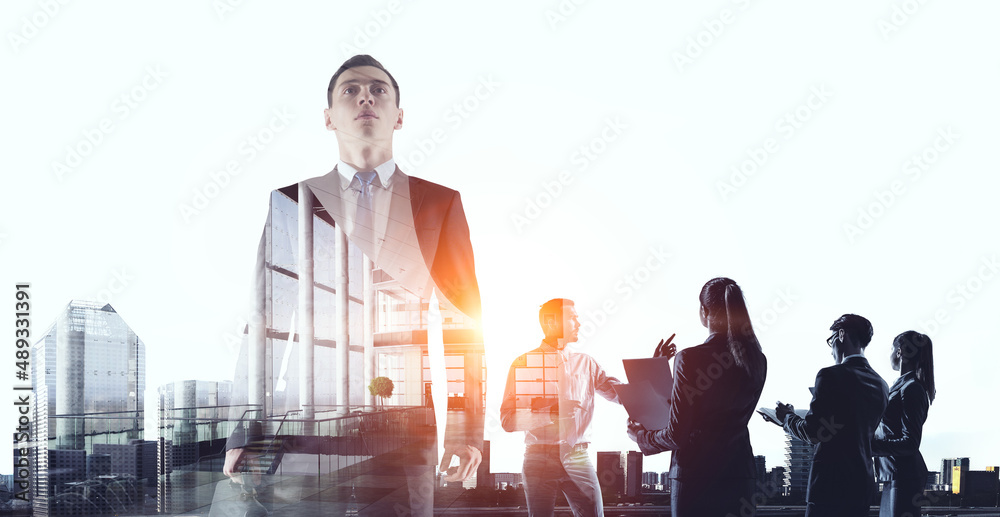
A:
848, 401
897, 447
712, 466
442, 234
443, 246
425, 237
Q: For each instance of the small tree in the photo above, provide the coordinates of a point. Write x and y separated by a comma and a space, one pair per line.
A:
381, 387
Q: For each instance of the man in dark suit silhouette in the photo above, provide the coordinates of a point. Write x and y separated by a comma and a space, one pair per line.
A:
848, 401
412, 229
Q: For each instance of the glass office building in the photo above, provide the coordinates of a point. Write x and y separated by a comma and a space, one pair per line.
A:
88, 377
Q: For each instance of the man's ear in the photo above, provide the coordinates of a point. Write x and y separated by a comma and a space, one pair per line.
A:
549, 324
399, 120
327, 121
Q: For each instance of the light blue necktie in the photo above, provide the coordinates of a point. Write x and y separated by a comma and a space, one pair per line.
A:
363, 226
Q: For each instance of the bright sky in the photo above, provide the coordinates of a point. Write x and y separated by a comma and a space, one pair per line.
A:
830, 159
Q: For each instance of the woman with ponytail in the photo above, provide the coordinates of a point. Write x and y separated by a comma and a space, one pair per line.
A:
896, 445
716, 388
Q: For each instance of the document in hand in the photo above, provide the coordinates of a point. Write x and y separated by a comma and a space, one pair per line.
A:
647, 395
769, 414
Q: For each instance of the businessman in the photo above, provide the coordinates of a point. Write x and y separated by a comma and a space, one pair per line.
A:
411, 229
847, 404
550, 395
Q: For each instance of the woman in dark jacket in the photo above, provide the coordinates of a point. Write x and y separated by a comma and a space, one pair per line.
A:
716, 388
896, 445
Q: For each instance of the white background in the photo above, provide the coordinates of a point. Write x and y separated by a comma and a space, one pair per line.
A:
668, 99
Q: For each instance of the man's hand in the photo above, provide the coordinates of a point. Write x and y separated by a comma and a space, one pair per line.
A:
469, 459
666, 348
633, 430
235, 460
783, 410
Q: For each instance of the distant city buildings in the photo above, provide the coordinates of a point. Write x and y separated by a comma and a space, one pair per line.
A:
760, 466
632, 465
611, 475
974, 488
192, 412
948, 466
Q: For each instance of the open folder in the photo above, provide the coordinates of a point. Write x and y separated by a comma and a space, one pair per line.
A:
771, 415
646, 397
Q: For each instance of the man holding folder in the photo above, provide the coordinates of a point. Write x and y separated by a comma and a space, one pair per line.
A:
848, 400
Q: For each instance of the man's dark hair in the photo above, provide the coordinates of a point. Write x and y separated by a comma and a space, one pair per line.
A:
553, 309
859, 328
354, 62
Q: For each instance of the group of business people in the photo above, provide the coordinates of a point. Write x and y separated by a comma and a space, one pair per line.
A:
853, 417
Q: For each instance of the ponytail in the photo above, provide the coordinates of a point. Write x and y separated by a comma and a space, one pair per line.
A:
723, 296
743, 342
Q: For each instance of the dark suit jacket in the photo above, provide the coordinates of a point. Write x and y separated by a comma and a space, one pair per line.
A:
848, 401
442, 234
443, 237
897, 439
711, 402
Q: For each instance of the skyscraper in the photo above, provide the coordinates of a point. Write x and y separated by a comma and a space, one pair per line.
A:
632, 463
947, 469
88, 377
760, 466
611, 475
798, 455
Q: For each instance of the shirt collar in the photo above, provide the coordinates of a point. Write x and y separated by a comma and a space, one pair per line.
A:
383, 171
852, 355
548, 348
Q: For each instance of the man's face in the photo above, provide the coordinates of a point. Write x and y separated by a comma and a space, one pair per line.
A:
363, 105
571, 325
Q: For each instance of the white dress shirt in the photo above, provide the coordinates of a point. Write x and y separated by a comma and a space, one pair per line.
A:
392, 243
572, 377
